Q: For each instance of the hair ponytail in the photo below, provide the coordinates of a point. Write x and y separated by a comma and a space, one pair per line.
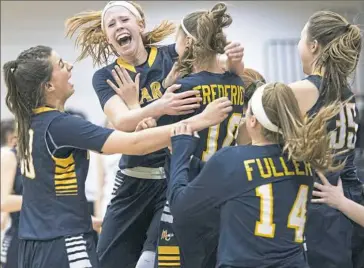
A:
341, 45
25, 79
303, 139
206, 28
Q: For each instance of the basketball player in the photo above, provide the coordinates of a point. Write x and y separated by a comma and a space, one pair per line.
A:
120, 30
55, 223
199, 42
11, 190
261, 190
329, 49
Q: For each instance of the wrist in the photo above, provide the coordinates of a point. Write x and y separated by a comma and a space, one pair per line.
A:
134, 106
157, 108
342, 203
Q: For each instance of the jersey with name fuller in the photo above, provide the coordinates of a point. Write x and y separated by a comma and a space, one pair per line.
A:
54, 201
262, 197
152, 73
342, 130
211, 87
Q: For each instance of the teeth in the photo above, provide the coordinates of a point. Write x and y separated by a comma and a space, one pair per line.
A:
123, 36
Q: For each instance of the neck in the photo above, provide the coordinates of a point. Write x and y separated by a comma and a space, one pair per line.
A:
57, 104
139, 56
211, 65
261, 141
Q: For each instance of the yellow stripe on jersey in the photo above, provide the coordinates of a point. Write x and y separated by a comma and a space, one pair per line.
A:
59, 182
64, 162
43, 109
65, 169
152, 56
65, 177
125, 65
66, 187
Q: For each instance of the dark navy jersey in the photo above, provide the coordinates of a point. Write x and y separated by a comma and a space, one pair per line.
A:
17, 190
342, 130
152, 74
213, 86
54, 201
261, 196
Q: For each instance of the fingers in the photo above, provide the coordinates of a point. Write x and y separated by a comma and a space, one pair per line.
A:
173, 88
112, 85
318, 186
126, 75
137, 81
340, 183
321, 200
150, 122
318, 194
118, 77
187, 94
183, 129
323, 178
231, 45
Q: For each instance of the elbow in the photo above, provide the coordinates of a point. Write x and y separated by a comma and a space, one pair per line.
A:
123, 124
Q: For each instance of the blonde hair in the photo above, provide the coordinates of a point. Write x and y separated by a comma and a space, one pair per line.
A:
207, 29
303, 138
92, 40
341, 44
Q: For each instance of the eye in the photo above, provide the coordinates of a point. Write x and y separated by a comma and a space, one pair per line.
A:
125, 20
111, 24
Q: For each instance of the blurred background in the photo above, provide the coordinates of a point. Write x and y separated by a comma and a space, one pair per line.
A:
269, 31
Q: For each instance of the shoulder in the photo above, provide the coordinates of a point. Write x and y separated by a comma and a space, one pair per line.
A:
104, 72
7, 155
168, 49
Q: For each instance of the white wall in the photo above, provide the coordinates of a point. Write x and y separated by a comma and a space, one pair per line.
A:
29, 23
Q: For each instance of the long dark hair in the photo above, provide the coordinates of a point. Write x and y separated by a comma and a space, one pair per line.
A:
25, 79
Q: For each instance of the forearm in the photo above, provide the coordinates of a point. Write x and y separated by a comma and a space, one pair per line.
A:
11, 203
131, 118
352, 210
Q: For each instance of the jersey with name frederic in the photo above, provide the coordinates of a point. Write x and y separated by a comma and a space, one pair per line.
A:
342, 129
54, 202
152, 73
262, 197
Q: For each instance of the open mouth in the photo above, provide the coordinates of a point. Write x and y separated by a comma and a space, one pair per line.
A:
124, 40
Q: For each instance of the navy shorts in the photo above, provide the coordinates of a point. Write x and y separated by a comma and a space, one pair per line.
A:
9, 249
131, 222
64, 252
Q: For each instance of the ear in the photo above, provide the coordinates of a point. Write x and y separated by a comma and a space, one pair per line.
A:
141, 25
253, 121
314, 47
188, 41
49, 87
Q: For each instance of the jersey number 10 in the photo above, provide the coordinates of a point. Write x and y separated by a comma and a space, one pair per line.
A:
213, 136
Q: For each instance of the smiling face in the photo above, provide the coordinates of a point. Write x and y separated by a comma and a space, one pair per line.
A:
123, 30
59, 85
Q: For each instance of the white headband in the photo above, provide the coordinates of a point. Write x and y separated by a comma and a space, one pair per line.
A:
185, 30
256, 105
125, 4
